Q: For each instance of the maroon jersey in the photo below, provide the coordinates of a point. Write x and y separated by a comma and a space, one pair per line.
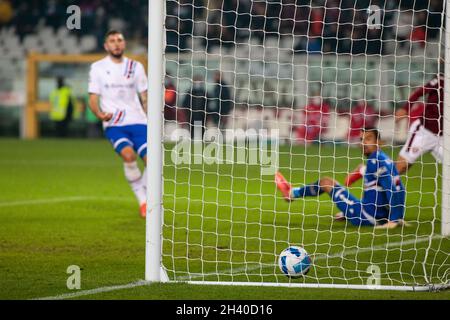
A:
433, 115
315, 121
316, 114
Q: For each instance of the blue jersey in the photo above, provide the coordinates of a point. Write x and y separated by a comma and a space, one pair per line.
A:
384, 193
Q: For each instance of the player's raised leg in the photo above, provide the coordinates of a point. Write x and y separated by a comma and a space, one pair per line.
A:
283, 185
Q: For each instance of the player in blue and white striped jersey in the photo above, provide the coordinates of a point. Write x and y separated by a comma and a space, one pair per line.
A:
383, 201
118, 97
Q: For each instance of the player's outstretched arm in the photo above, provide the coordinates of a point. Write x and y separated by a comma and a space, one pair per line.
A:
94, 106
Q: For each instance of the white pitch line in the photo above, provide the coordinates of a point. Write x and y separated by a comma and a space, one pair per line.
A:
65, 163
58, 200
141, 283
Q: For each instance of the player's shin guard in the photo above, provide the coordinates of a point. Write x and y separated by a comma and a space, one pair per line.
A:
308, 190
134, 178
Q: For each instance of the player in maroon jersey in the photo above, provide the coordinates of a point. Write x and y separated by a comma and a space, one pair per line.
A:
425, 133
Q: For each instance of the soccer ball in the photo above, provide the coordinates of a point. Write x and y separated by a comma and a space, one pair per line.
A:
294, 261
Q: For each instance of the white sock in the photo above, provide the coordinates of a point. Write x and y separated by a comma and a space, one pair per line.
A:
134, 178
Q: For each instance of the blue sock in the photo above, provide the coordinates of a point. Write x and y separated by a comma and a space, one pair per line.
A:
309, 190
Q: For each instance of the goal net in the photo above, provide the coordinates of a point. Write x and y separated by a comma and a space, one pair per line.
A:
256, 87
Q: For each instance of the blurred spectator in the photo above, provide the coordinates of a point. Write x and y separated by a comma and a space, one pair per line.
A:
171, 27
258, 19
403, 22
316, 21
170, 98
195, 104
316, 115
332, 12
362, 115
374, 44
418, 33
6, 12
359, 44
219, 105
293, 18
185, 15
314, 44
89, 15
218, 34
334, 26
330, 38
235, 17
62, 105
416, 112
55, 13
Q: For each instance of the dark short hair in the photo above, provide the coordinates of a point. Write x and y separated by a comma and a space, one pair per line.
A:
110, 33
373, 130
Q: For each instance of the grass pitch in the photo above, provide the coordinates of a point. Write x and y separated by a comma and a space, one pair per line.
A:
66, 202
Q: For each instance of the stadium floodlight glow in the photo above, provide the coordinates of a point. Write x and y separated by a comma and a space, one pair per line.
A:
224, 222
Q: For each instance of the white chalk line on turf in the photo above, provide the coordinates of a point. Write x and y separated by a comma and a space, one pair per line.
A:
234, 271
59, 200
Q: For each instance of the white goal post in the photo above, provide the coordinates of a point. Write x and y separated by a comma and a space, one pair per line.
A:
222, 223
154, 141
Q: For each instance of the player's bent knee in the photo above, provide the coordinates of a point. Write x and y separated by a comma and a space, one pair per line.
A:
132, 172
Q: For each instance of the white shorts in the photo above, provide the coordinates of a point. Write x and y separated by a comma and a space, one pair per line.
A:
421, 141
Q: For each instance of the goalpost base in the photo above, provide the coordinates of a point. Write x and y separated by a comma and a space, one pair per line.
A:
424, 288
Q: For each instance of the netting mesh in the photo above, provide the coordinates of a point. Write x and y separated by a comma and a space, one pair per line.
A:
253, 87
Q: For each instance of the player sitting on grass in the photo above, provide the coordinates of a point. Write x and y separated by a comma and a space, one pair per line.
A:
383, 202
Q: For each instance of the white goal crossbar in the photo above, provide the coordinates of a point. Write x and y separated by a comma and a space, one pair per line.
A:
154, 268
